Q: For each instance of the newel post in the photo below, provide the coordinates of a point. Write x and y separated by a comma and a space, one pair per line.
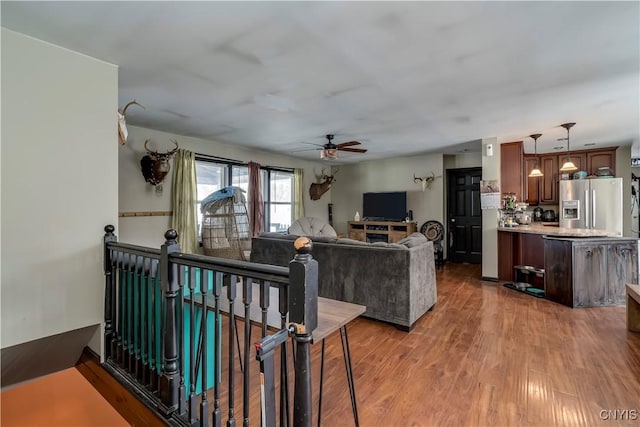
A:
303, 314
109, 291
169, 381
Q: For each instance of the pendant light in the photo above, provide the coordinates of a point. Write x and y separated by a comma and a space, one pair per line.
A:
536, 172
568, 166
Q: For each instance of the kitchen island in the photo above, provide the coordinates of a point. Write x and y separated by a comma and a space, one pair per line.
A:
583, 268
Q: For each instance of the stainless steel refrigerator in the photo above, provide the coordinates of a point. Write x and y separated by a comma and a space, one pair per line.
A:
592, 203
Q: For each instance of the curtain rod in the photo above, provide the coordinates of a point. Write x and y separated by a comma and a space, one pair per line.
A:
238, 162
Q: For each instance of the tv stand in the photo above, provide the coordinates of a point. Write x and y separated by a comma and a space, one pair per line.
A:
376, 231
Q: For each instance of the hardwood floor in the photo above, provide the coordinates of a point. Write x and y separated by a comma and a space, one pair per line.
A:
488, 356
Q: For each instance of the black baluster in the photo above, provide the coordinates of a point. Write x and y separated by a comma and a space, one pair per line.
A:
230, 282
170, 378
154, 359
283, 308
303, 280
192, 347
264, 306
144, 315
217, 292
138, 281
122, 291
204, 403
109, 303
247, 291
182, 392
129, 315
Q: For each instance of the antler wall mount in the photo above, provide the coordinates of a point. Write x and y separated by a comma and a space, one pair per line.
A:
424, 180
316, 190
122, 122
155, 165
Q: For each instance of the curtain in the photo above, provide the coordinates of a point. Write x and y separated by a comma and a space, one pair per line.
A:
256, 206
183, 200
298, 193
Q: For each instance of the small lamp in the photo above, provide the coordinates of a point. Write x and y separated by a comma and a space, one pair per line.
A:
568, 166
536, 172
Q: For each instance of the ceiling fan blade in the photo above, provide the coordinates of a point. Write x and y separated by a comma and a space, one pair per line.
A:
348, 144
311, 143
353, 150
306, 149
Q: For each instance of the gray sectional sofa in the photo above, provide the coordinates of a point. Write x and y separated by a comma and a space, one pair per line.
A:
395, 281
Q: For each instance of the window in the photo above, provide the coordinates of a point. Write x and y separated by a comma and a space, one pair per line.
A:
210, 177
278, 200
277, 189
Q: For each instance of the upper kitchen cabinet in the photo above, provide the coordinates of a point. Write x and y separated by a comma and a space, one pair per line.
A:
578, 158
601, 158
531, 184
512, 168
549, 183
545, 189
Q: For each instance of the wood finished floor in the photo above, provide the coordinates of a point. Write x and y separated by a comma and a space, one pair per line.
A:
488, 356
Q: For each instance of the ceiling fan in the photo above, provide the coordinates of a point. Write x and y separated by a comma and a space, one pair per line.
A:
329, 151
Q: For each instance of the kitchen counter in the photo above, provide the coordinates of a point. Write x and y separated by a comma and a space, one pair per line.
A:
557, 231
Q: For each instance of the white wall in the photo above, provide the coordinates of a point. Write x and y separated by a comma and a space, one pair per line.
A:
490, 170
59, 186
463, 160
137, 195
395, 174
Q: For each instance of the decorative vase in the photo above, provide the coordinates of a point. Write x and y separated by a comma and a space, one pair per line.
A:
356, 217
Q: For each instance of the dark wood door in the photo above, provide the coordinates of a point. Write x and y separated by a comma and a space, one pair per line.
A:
531, 184
511, 168
464, 217
549, 186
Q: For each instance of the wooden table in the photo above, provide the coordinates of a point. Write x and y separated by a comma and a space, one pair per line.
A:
333, 315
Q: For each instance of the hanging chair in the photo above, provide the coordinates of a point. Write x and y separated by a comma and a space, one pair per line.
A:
225, 224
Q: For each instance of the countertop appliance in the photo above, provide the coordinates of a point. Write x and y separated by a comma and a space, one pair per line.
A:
592, 203
549, 215
537, 214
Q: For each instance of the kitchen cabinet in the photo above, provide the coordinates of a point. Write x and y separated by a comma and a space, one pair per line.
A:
622, 267
549, 183
512, 168
590, 275
601, 158
545, 189
531, 184
589, 272
516, 248
578, 159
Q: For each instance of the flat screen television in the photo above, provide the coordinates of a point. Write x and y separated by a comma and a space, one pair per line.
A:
390, 206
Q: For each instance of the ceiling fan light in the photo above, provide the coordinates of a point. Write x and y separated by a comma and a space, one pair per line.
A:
535, 173
329, 154
568, 166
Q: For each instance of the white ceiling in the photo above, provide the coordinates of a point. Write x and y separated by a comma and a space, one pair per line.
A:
401, 77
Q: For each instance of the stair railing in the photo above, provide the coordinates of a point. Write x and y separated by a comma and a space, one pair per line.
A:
170, 323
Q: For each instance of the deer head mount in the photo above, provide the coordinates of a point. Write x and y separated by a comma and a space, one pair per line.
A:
424, 180
155, 165
318, 189
122, 123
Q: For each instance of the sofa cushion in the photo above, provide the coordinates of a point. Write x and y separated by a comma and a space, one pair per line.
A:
414, 239
324, 239
278, 235
388, 245
312, 227
346, 241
